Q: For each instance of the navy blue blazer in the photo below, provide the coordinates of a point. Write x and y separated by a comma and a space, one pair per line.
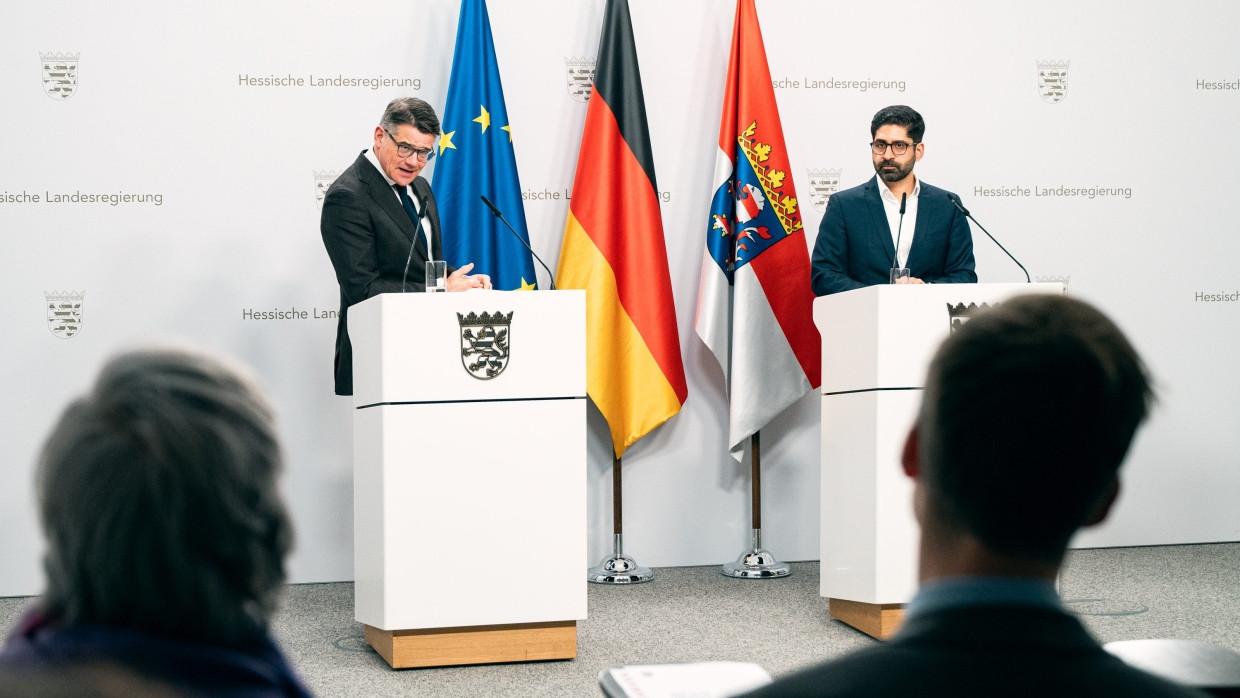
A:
368, 235
854, 247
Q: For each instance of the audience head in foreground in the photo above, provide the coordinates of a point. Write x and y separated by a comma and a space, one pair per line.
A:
1024, 422
1028, 411
166, 533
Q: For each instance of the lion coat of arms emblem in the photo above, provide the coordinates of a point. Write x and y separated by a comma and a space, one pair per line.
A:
485, 343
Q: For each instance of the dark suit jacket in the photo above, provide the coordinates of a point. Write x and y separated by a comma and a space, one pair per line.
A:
367, 234
854, 247
42, 647
993, 650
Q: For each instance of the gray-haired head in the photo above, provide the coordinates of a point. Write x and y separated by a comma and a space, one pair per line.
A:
157, 494
410, 111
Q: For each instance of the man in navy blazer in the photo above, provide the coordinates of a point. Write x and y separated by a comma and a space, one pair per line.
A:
856, 243
1028, 411
368, 221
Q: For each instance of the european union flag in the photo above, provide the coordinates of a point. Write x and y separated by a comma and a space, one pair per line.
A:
475, 159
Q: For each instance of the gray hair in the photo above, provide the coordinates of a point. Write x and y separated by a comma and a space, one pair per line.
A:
157, 494
410, 111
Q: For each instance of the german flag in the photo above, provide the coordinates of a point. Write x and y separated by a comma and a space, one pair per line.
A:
614, 249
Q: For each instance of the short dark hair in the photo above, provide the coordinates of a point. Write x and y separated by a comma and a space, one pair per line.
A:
900, 115
1029, 409
410, 111
157, 495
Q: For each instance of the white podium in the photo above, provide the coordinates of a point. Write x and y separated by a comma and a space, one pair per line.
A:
877, 343
469, 457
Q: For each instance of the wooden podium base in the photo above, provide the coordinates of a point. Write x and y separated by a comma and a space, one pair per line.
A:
482, 644
879, 620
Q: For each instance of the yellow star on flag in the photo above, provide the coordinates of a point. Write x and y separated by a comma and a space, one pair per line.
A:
526, 286
509, 130
446, 142
484, 118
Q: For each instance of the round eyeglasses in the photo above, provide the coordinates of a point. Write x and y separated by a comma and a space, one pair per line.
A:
404, 150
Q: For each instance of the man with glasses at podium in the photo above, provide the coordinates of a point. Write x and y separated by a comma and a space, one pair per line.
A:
380, 224
894, 228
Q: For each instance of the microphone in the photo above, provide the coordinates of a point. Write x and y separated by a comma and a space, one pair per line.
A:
517, 235
417, 230
895, 259
960, 207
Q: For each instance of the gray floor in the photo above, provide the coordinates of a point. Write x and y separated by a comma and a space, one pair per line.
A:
696, 614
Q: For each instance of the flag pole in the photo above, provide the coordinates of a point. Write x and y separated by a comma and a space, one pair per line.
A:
755, 562
618, 568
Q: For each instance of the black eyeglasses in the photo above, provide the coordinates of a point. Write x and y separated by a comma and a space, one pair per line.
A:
405, 150
898, 148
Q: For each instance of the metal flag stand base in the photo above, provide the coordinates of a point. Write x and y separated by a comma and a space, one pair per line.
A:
619, 568
756, 563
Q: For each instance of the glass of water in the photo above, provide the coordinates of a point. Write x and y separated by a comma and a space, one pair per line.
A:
436, 276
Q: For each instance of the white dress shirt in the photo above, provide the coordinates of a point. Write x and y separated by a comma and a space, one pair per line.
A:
891, 205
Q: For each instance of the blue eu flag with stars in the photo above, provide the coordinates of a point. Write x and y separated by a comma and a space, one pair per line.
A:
475, 159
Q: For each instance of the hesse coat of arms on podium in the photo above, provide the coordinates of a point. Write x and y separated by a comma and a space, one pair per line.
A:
484, 343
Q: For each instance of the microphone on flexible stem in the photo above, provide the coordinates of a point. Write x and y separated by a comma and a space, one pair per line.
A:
960, 207
417, 230
895, 259
517, 235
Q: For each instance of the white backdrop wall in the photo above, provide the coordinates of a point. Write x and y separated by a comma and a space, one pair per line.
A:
224, 121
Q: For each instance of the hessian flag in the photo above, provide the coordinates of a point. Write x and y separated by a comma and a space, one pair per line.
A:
755, 304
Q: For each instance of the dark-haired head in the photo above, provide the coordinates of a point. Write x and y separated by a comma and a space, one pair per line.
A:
899, 115
1029, 409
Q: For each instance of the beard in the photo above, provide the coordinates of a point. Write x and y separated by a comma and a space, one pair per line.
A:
897, 174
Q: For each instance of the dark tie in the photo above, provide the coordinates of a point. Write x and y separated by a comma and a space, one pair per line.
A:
407, 202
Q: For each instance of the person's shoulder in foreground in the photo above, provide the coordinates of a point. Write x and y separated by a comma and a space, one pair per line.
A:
1038, 653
